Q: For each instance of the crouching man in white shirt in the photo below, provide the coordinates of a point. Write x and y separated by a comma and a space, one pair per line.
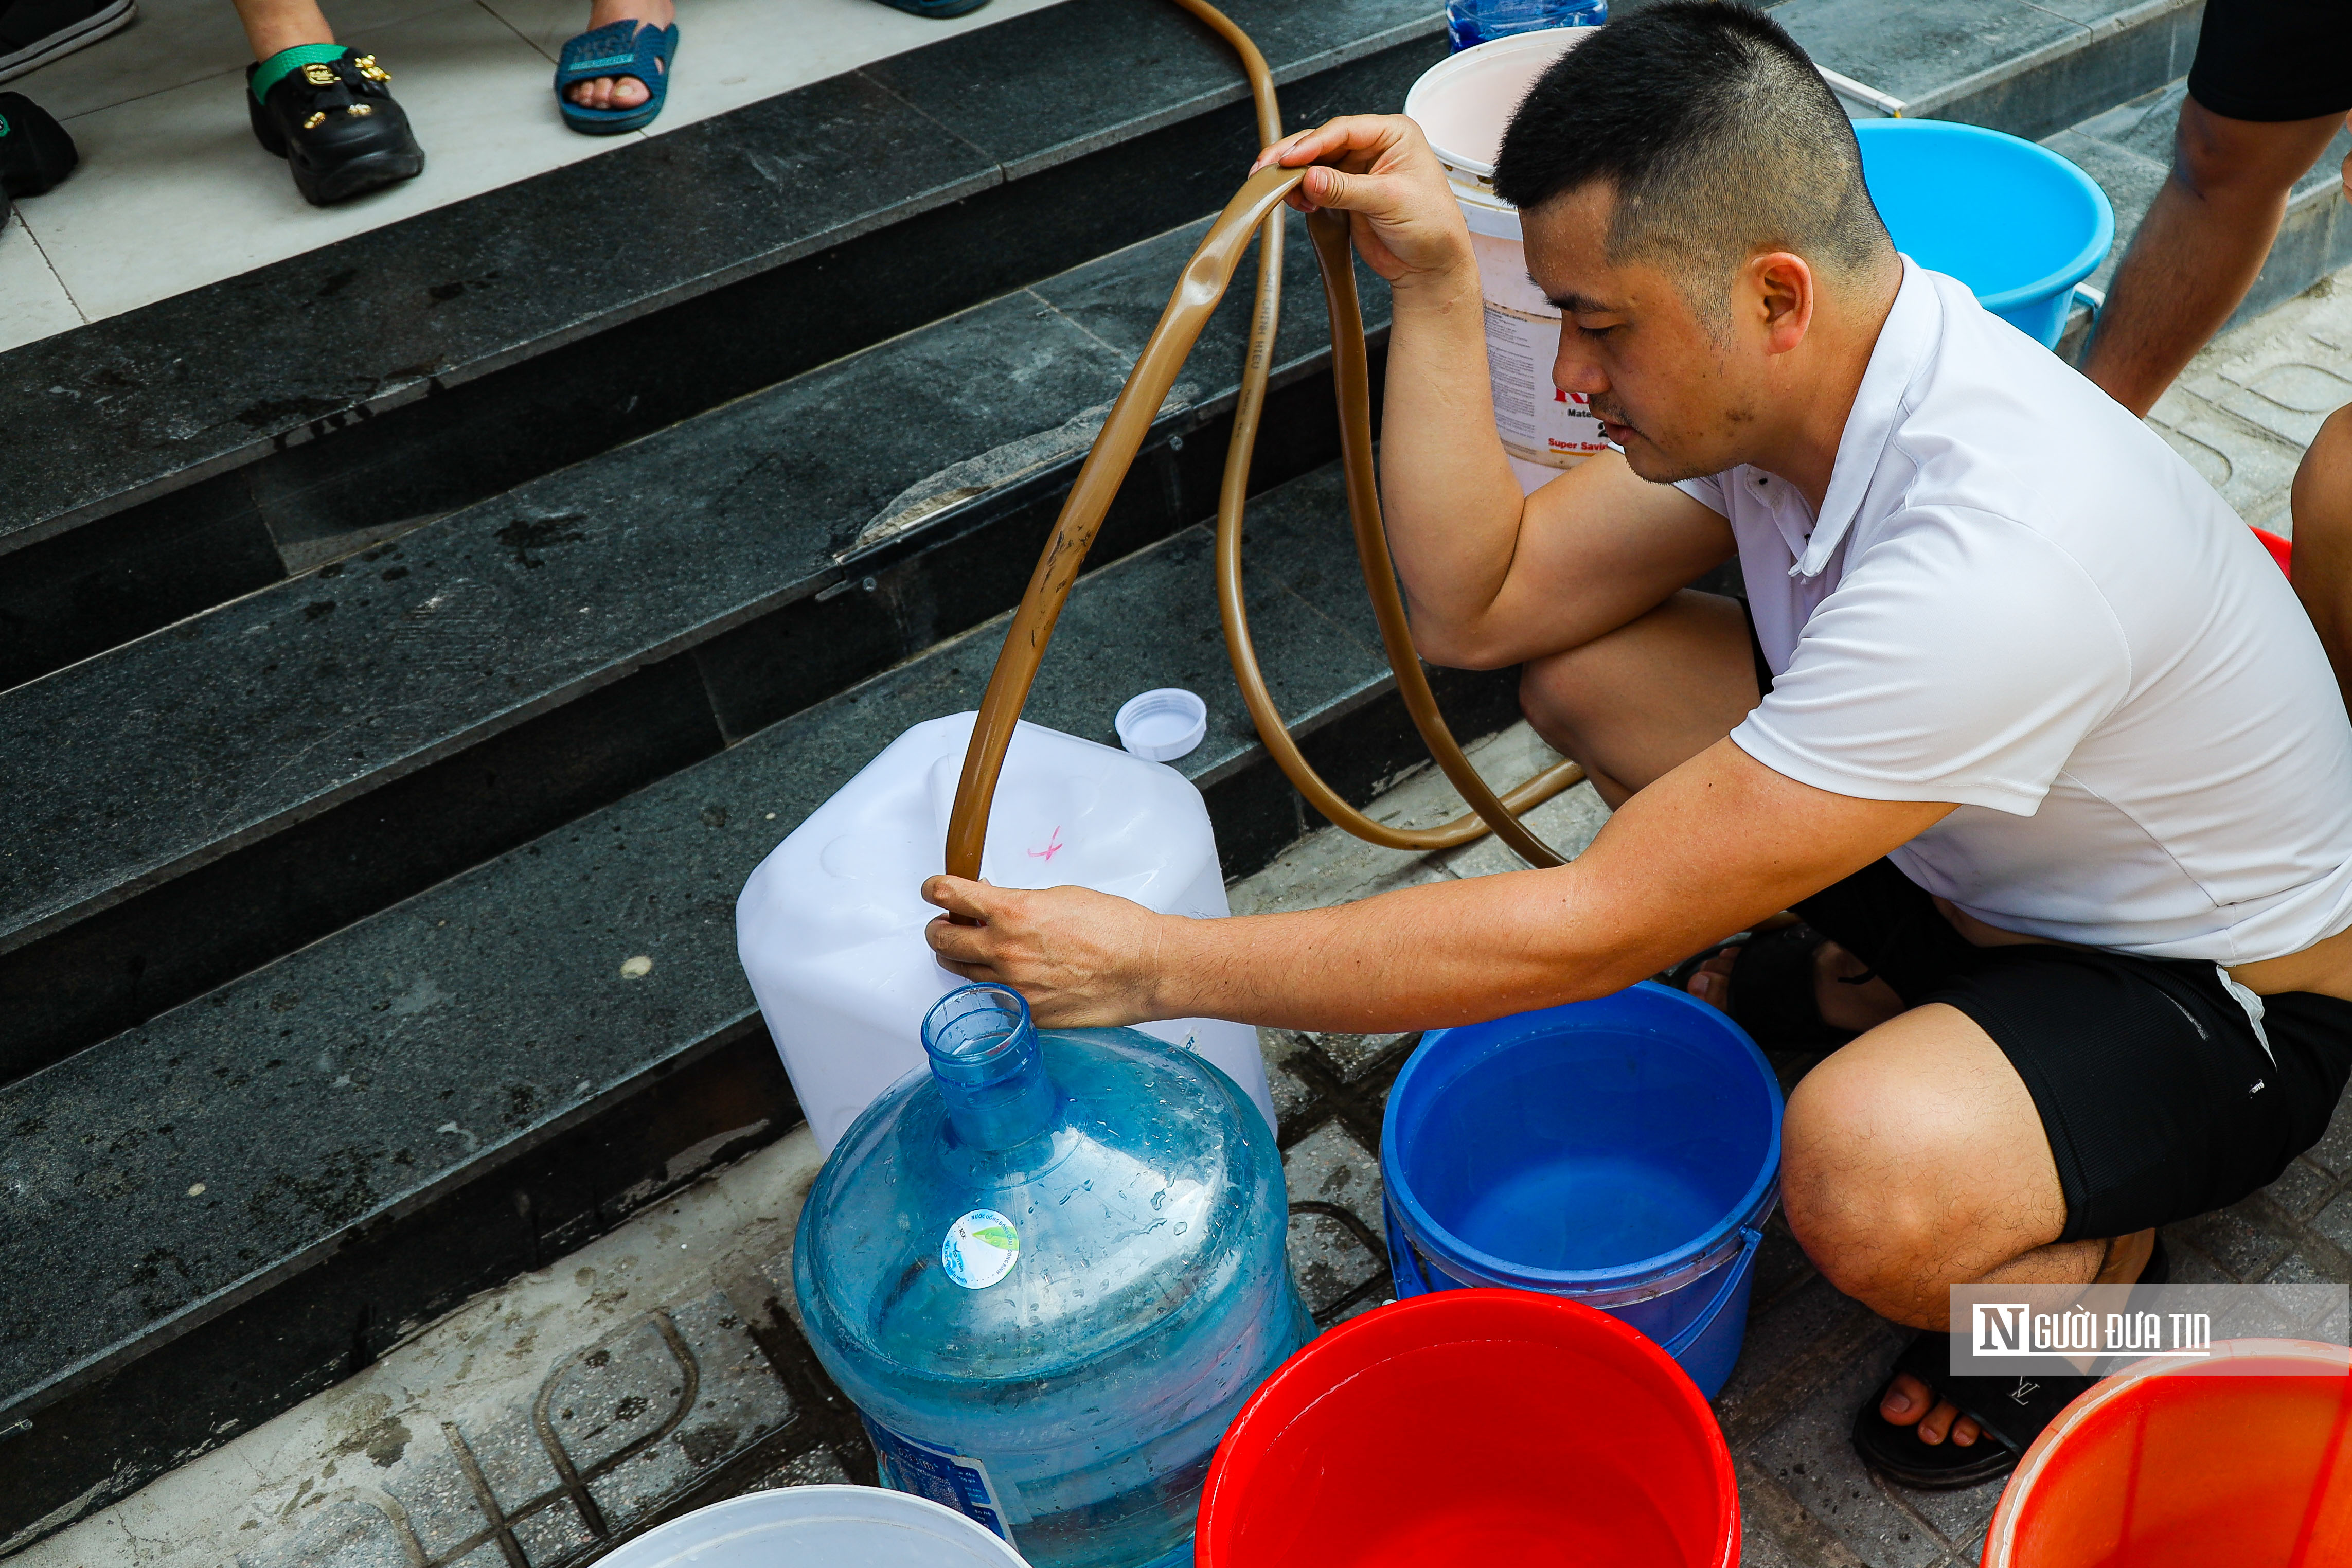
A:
2017, 716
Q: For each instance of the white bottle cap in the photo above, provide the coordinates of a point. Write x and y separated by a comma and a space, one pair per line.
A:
1162, 725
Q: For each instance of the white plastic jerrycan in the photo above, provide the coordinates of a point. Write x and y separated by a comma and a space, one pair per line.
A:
830, 926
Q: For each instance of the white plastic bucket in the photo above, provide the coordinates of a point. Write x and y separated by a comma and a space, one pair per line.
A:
1462, 104
865, 1526
830, 926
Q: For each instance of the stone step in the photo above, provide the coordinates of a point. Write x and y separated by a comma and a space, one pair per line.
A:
161, 462
242, 1199
2029, 69
189, 806
213, 444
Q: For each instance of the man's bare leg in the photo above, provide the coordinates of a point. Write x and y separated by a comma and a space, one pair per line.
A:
1636, 704
1913, 1160
2323, 542
2200, 247
1639, 702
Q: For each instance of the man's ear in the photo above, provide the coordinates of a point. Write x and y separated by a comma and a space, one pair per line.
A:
1782, 286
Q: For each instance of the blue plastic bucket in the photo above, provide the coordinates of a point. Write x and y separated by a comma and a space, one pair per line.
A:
1624, 1152
2011, 219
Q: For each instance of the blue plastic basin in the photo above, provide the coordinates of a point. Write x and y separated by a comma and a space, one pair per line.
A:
1624, 1152
2014, 221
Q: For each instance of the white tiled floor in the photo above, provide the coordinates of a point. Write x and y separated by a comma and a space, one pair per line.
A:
2244, 410
172, 193
32, 303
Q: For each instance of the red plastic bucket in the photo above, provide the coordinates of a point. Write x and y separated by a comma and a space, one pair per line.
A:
2281, 550
1472, 1428
2173, 1465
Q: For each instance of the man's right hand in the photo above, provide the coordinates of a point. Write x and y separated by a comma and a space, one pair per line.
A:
1380, 171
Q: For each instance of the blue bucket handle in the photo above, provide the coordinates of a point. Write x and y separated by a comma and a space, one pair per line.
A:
1751, 1238
1401, 1251
1407, 1257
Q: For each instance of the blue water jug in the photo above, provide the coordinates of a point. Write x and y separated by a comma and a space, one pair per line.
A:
1049, 1271
1473, 21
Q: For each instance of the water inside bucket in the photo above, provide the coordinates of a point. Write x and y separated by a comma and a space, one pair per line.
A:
1482, 1532
1588, 1149
1584, 1211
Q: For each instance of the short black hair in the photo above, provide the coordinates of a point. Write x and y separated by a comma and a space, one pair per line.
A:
1718, 135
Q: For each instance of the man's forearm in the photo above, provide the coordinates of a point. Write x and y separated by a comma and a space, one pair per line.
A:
1417, 958
1451, 501
1716, 844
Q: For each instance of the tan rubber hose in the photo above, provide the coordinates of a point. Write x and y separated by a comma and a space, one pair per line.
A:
1257, 206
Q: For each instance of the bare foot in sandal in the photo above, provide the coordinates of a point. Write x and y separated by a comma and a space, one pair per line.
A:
1908, 1400
620, 91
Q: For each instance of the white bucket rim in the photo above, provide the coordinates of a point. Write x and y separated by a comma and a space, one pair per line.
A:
755, 1513
1552, 42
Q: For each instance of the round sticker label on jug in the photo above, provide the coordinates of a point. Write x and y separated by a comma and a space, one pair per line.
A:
979, 1249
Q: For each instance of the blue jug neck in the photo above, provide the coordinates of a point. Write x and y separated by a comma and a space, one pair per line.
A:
989, 1066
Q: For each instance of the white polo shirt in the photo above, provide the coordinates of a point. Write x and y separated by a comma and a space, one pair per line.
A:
2018, 597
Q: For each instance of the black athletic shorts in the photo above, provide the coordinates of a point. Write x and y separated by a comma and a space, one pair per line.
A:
2275, 59
2159, 1099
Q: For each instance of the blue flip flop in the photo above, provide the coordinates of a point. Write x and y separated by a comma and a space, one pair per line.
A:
622, 48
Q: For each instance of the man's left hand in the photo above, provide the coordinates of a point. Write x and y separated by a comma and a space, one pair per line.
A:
1083, 959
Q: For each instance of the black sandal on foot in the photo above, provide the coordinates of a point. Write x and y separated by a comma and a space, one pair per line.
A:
35, 151
1773, 988
2011, 1410
335, 123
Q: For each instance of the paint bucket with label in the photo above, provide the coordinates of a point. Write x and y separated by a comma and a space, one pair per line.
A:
865, 1525
1471, 1430
1462, 104
1624, 1153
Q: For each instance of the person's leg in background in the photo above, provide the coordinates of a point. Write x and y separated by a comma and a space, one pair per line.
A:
274, 26
2271, 81
2323, 539
622, 88
2200, 247
324, 108
612, 77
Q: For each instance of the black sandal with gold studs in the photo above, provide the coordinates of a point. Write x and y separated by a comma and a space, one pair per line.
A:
334, 122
